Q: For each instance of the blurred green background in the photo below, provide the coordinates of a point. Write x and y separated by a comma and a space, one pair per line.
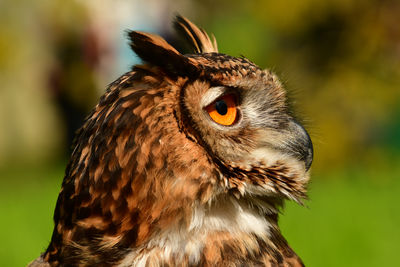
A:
339, 60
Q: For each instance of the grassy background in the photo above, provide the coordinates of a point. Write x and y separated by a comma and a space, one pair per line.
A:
351, 218
27, 200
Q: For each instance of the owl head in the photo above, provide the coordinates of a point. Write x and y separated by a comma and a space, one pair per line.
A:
183, 148
235, 112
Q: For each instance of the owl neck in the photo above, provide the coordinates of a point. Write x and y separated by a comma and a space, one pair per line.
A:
226, 231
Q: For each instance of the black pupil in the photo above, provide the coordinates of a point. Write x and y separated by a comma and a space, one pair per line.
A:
221, 107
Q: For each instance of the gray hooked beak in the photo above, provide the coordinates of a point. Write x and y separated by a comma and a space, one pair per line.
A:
299, 144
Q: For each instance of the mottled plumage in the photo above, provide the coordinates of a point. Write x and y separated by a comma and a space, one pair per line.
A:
155, 181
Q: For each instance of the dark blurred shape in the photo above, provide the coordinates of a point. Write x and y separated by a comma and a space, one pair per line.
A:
70, 55
72, 78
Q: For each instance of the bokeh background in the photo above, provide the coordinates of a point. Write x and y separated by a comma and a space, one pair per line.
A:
339, 60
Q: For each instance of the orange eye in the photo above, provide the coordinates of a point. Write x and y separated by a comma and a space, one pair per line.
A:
223, 110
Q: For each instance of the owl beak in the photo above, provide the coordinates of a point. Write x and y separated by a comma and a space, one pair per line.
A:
299, 144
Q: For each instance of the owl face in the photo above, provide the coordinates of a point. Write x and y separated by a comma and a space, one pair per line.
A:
241, 118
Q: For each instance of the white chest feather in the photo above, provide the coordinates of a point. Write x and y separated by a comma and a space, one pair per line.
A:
224, 215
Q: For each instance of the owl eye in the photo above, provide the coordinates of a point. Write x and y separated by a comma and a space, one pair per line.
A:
223, 110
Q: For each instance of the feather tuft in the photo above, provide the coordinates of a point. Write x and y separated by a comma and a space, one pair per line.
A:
196, 37
155, 50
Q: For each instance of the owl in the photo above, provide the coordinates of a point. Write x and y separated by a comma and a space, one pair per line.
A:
185, 161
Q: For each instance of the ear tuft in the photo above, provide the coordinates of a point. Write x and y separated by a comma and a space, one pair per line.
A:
195, 36
155, 50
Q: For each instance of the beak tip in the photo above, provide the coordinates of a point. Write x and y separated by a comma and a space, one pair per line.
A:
309, 157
